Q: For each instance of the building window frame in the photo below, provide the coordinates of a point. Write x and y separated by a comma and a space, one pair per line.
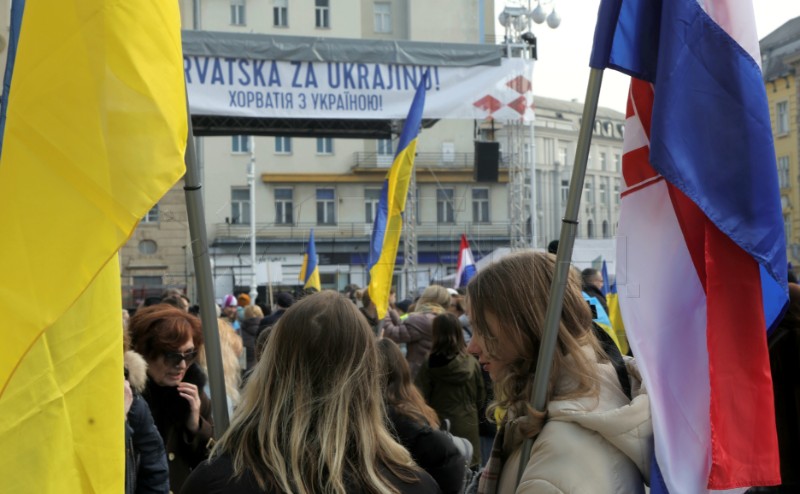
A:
372, 198
153, 216
238, 12
782, 117
240, 205
283, 145
445, 210
326, 206
325, 145
783, 172
280, 13
240, 144
284, 205
382, 17
480, 205
322, 14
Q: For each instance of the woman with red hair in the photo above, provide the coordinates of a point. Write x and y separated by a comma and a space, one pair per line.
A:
169, 339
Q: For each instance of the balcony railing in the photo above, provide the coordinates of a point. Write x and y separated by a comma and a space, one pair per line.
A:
357, 231
422, 160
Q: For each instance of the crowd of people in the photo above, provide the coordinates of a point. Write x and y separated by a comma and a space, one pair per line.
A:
327, 397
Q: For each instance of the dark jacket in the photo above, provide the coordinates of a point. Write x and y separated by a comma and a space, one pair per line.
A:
145, 458
454, 388
250, 330
416, 331
170, 411
271, 319
432, 449
216, 477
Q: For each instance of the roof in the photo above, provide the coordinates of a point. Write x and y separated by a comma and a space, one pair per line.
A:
777, 46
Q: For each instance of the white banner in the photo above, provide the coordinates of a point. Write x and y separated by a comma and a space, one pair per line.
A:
265, 88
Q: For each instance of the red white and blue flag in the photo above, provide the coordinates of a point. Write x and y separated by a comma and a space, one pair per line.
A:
701, 260
466, 264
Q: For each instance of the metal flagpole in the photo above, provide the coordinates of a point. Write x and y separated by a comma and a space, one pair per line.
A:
251, 181
569, 226
205, 285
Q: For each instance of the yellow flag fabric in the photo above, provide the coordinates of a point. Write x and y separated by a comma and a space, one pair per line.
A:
618, 327
95, 135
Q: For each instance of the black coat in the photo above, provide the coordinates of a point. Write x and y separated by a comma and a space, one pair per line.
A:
145, 459
432, 449
250, 330
216, 477
271, 319
170, 411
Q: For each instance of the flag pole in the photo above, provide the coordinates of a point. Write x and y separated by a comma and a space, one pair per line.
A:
569, 228
205, 284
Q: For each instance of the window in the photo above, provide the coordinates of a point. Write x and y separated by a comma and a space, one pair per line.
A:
284, 210
324, 145
444, 206
152, 216
237, 12
606, 233
383, 17
787, 225
283, 145
616, 191
322, 12
617, 162
240, 205
564, 191
783, 172
280, 13
590, 229
326, 207
385, 152
371, 199
603, 161
783, 117
588, 191
603, 196
562, 155
148, 247
146, 281
240, 144
480, 205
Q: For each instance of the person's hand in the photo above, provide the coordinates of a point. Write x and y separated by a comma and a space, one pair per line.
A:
128, 397
190, 393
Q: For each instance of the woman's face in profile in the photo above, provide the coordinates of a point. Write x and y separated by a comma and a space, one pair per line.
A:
504, 350
168, 368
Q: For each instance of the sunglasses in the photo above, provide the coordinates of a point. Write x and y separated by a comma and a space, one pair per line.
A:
175, 358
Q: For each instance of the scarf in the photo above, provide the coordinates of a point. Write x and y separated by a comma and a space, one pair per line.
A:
508, 439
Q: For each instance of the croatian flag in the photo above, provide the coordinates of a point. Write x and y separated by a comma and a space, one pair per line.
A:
466, 264
701, 261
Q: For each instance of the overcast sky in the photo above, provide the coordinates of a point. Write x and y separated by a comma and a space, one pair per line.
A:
562, 70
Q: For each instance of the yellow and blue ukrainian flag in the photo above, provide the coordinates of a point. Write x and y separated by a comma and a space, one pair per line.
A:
309, 272
94, 134
389, 218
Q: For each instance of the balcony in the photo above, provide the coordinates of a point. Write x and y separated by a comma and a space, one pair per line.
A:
357, 231
421, 161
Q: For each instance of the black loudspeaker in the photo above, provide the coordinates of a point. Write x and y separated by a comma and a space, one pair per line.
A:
487, 161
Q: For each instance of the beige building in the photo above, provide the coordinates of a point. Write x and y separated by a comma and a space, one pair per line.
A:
780, 60
331, 184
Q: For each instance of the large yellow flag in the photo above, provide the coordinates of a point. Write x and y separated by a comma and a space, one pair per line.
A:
95, 134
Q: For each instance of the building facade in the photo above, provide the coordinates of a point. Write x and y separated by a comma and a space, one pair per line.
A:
780, 59
332, 184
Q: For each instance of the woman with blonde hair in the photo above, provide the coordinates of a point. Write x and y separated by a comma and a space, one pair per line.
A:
591, 436
416, 330
231, 347
311, 419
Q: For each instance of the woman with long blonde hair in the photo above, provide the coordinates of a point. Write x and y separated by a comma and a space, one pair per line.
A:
231, 348
311, 419
591, 436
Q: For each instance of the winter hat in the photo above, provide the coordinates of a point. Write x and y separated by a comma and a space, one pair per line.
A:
229, 301
243, 299
284, 299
